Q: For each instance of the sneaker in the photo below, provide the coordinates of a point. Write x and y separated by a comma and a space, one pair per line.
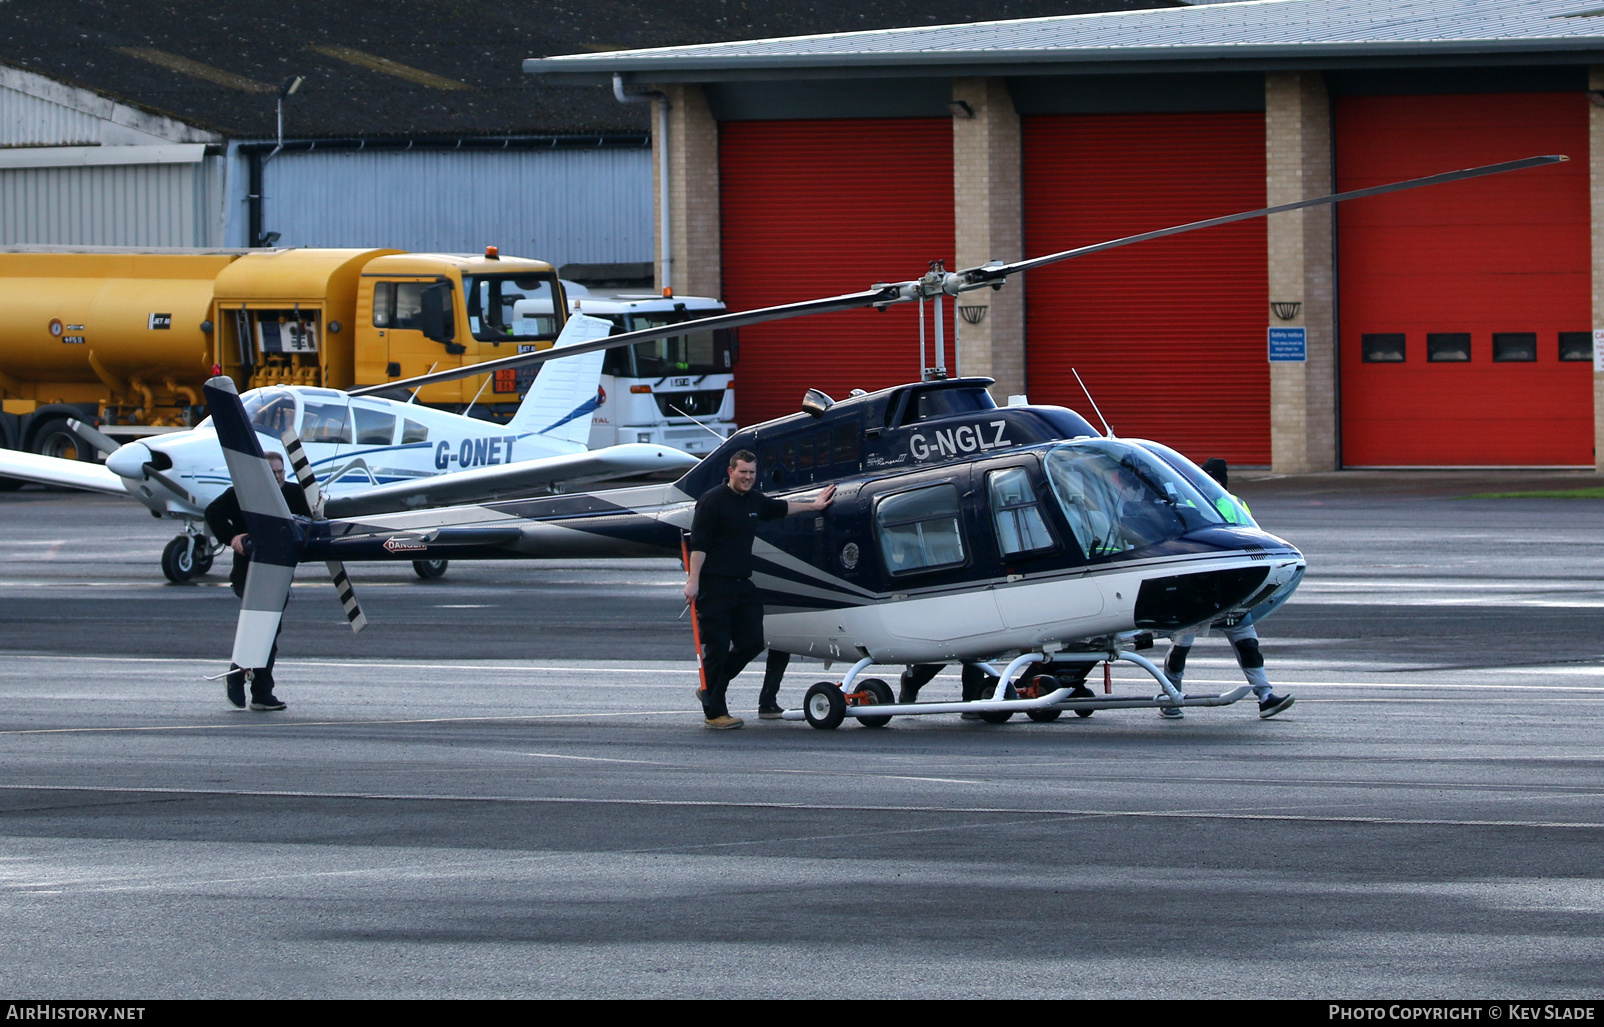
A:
1172, 713
1274, 704
771, 713
267, 704
724, 723
235, 690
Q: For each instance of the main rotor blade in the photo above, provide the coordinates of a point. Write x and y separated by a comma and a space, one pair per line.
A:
846, 301
978, 276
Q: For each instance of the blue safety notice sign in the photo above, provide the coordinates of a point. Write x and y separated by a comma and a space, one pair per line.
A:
1289, 344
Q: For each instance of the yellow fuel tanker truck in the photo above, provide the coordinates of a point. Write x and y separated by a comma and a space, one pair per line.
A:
125, 338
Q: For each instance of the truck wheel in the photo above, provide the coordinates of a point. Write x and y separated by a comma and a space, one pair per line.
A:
824, 705
428, 570
55, 439
176, 561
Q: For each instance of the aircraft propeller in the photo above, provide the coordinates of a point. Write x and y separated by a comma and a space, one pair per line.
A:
315, 501
934, 283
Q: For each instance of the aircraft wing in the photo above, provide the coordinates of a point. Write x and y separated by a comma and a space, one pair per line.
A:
52, 470
510, 481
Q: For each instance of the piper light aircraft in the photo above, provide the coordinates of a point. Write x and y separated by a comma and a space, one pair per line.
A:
372, 454
960, 532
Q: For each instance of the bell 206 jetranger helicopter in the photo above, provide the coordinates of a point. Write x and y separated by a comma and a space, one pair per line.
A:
960, 532
371, 454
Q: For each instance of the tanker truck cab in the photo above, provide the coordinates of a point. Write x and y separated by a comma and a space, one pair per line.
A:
418, 312
675, 392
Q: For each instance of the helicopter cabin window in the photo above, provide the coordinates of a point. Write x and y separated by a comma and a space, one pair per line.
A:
1016, 514
270, 411
920, 530
1576, 345
1448, 348
1514, 347
510, 308
327, 423
373, 427
412, 431
1382, 347
845, 440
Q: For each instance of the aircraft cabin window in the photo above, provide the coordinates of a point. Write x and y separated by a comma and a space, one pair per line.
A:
1576, 345
326, 422
271, 412
1448, 348
1514, 347
412, 431
373, 427
919, 530
1014, 510
1382, 347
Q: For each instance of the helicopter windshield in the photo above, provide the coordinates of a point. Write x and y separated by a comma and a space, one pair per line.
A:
1118, 497
1230, 507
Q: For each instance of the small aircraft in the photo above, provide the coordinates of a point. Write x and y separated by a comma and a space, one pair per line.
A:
372, 454
961, 531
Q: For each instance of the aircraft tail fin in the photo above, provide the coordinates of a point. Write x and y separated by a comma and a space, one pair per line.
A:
565, 393
276, 540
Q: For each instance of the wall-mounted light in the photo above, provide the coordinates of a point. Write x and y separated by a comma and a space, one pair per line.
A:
960, 109
975, 314
1286, 310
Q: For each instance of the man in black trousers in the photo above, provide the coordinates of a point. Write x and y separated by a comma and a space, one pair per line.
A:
227, 522
729, 614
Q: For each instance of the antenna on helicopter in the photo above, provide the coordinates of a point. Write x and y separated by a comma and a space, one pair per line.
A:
1106, 429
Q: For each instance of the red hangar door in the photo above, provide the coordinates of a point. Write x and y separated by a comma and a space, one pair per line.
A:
815, 208
1465, 309
1168, 335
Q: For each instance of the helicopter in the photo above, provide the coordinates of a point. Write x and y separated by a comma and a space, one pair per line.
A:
372, 453
961, 531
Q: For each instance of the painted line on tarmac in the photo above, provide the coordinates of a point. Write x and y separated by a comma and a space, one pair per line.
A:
286, 724
817, 807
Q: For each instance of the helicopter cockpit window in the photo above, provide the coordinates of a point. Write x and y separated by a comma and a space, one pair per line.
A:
1231, 509
1016, 514
271, 411
932, 403
919, 530
1118, 497
326, 422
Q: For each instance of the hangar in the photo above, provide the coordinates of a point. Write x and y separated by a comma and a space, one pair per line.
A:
1441, 328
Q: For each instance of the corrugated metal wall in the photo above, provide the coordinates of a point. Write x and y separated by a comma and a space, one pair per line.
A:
110, 205
29, 121
564, 206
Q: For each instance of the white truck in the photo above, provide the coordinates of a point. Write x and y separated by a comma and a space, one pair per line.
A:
678, 391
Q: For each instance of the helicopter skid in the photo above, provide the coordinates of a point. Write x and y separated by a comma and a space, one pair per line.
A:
1058, 699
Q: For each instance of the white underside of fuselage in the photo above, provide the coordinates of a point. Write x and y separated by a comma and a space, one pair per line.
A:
982, 622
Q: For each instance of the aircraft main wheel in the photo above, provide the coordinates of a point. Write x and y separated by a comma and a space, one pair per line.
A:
428, 570
177, 563
882, 697
1082, 692
824, 705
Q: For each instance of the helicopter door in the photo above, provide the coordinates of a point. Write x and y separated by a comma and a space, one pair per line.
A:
923, 544
1024, 535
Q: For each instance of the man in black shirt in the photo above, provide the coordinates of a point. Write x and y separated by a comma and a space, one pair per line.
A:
227, 522
719, 579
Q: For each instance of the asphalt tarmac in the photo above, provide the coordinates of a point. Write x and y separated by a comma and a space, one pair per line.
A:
500, 789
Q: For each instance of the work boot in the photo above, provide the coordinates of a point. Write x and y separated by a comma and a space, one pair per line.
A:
266, 703
234, 688
724, 723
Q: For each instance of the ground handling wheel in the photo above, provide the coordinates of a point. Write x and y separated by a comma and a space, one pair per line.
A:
428, 570
874, 692
1082, 692
178, 563
1038, 686
824, 705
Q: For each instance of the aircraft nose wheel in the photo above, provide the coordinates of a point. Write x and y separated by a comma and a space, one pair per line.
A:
825, 706
428, 570
180, 564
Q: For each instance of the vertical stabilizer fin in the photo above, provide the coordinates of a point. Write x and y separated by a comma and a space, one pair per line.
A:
564, 395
